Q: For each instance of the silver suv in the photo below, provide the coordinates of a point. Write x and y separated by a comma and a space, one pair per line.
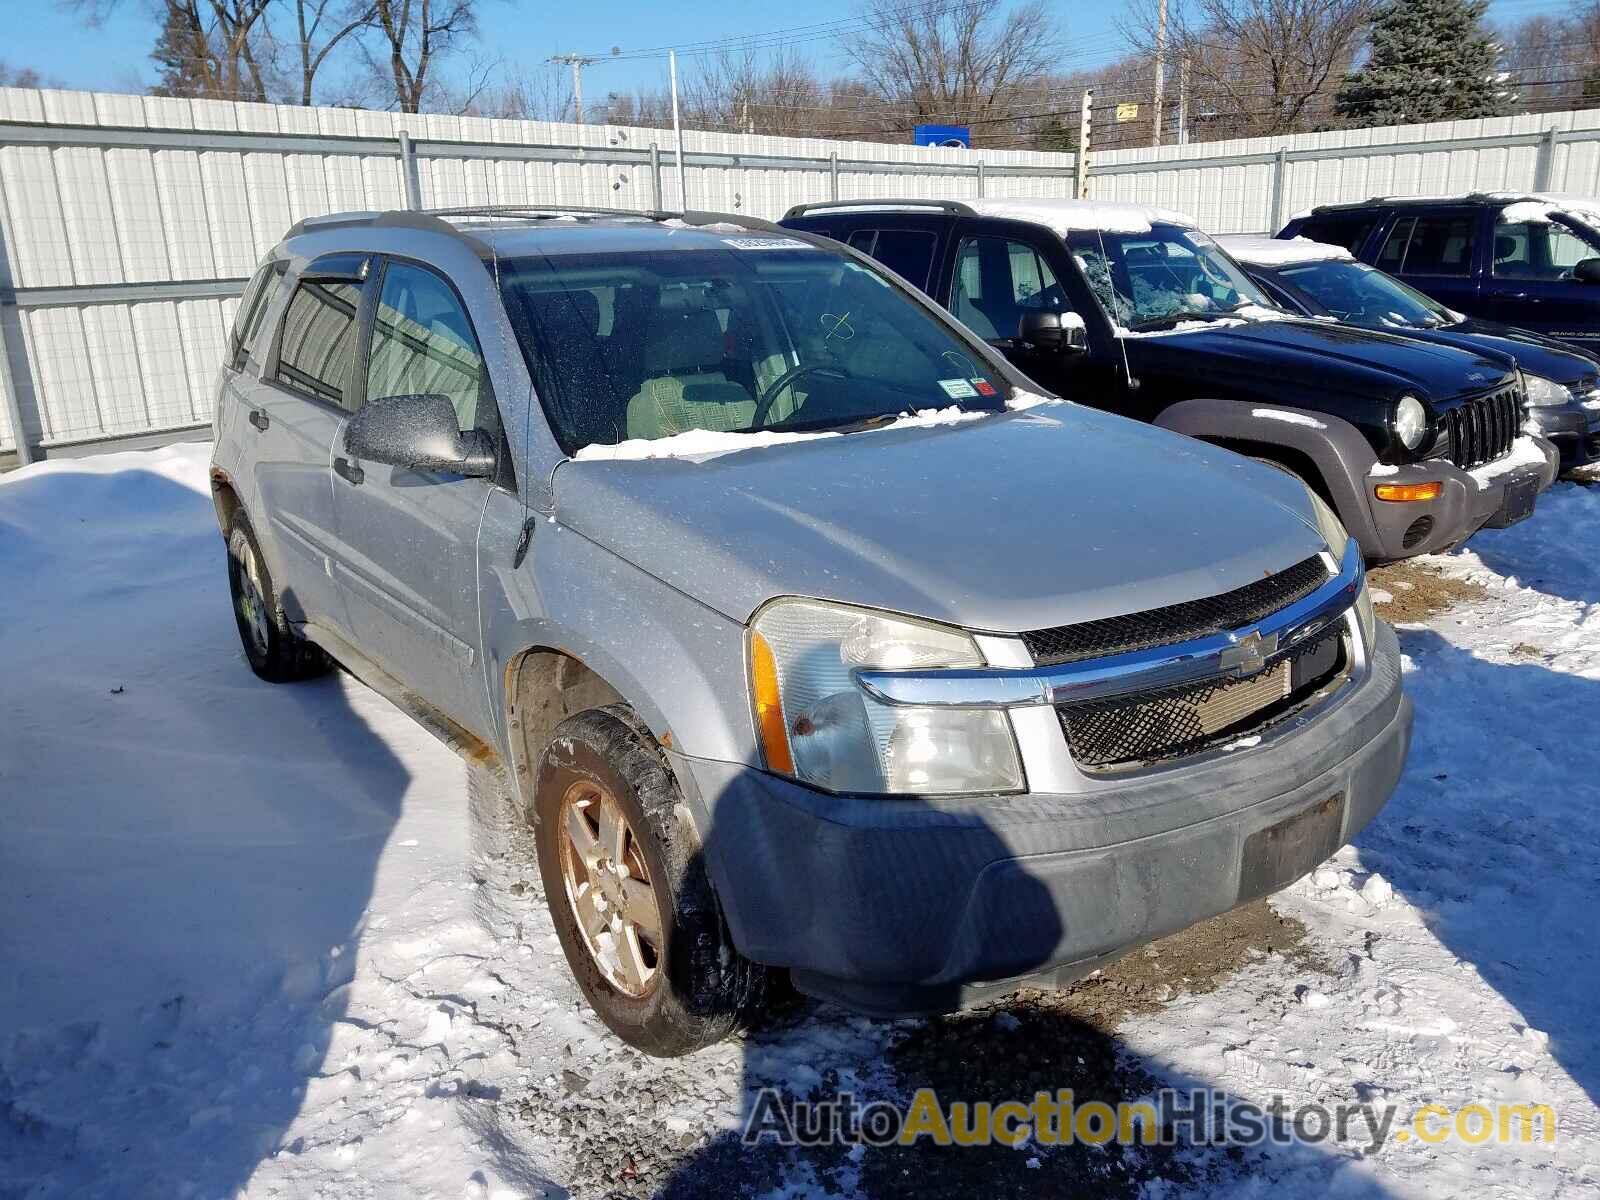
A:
811, 640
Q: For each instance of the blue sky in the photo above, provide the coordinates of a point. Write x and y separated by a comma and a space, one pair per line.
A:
114, 57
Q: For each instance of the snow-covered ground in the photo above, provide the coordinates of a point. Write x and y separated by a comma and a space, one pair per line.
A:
278, 941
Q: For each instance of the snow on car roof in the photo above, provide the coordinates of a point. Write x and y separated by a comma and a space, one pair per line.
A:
1070, 216
1271, 252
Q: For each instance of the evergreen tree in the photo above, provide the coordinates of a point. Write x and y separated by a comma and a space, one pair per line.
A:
1431, 60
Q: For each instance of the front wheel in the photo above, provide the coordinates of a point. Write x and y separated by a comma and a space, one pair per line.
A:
628, 890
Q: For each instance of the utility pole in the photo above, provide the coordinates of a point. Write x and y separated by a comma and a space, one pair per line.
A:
578, 63
1161, 69
1183, 102
677, 131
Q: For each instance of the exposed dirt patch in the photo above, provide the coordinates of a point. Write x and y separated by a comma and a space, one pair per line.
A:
1419, 591
1197, 961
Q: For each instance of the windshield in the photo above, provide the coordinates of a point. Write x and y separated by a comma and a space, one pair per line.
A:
1361, 295
773, 334
1155, 279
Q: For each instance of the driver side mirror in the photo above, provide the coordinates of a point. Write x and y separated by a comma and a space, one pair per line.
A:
419, 432
1587, 271
1058, 333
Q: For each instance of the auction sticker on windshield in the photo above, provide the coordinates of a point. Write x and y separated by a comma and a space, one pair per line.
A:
768, 243
958, 389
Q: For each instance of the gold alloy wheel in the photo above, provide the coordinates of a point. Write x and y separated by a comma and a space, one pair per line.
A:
251, 602
608, 887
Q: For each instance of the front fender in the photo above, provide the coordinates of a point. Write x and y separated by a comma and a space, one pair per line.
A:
1338, 450
679, 664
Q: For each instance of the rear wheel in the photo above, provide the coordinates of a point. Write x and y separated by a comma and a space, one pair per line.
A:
627, 886
275, 652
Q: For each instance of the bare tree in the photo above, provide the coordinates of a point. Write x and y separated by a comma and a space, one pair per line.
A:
216, 49
415, 35
21, 77
320, 27
1259, 67
968, 61
1554, 61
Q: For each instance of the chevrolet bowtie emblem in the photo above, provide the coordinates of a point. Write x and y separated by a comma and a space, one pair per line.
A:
1248, 654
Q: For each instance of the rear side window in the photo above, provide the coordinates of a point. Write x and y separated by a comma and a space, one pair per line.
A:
906, 252
253, 307
1439, 245
1349, 230
317, 348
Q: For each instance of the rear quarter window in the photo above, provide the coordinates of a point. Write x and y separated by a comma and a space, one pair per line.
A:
906, 252
1349, 230
253, 306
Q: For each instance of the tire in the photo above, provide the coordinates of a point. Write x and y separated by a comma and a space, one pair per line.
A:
274, 651
669, 990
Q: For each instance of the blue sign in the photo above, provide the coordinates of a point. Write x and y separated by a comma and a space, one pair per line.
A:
942, 135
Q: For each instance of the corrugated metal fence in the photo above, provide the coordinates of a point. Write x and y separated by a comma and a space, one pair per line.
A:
128, 224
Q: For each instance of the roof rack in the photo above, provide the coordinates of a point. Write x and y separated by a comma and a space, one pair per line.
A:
954, 207
434, 219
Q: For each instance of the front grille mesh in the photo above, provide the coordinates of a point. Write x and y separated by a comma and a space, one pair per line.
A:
1155, 725
1481, 429
1177, 622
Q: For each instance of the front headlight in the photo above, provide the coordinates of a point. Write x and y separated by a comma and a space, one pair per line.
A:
817, 725
1545, 393
1329, 526
1410, 421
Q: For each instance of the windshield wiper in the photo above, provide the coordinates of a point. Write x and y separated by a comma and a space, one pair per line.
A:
1173, 318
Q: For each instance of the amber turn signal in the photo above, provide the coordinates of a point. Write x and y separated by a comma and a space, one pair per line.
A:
769, 706
1409, 491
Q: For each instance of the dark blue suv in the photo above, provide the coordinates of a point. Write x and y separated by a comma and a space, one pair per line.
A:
1532, 261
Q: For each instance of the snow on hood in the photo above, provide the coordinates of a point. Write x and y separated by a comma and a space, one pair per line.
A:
702, 444
1063, 217
1272, 252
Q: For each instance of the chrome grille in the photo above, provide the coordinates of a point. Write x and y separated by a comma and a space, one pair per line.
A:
1177, 622
1480, 429
1167, 723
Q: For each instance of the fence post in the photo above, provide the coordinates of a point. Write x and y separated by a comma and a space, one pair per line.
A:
1544, 164
655, 178
408, 172
1280, 173
980, 179
8, 383
833, 175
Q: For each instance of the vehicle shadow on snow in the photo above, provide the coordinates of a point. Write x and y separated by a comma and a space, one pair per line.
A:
189, 856
1492, 834
1005, 1051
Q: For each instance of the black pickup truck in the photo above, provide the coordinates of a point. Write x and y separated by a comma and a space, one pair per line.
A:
1135, 310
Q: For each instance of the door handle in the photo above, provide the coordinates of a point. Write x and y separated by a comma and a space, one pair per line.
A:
349, 470
259, 419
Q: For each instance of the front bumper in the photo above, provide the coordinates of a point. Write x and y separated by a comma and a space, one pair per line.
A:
1467, 503
902, 906
1574, 431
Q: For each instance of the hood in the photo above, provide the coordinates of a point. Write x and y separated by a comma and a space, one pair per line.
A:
1326, 356
1533, 352
1008, 523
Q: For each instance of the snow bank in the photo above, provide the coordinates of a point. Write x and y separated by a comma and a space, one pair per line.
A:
1273, 252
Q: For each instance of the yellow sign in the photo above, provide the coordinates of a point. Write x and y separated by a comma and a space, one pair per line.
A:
1127, 112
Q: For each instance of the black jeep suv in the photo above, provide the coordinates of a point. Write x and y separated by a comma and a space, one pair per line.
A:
1135, 310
